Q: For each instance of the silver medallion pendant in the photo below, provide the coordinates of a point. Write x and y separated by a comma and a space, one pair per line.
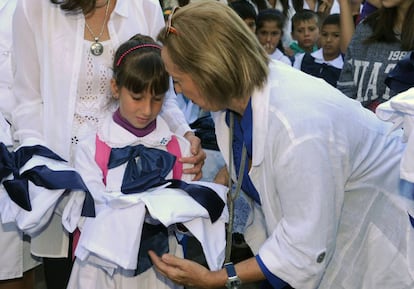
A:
97, 48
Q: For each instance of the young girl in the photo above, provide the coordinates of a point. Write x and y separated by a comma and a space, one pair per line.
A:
72, 102
125, 166
378, 44
269, 32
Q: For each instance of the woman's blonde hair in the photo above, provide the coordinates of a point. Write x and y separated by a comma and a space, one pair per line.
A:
209, 41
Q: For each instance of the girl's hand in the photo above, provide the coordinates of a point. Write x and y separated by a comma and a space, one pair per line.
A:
184, 272
197, 158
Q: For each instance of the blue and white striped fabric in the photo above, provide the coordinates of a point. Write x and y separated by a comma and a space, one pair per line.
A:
33, 179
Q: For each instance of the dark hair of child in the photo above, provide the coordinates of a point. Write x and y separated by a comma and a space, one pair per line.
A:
304, 15
272, 15
244, 8
332, 19
138, 66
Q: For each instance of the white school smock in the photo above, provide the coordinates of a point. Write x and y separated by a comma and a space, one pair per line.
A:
400, 111
338, 62
15, 257
278, 55
101, 255
42, 200
327, 174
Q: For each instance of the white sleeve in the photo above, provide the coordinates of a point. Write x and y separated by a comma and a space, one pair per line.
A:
305, 236
27, 115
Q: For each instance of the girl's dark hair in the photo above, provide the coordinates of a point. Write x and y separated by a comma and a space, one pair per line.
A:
140, 68
382, 23
244, 8
271, 15
76, 6
260, 4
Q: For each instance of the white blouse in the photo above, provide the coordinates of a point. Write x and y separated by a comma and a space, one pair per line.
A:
94, 95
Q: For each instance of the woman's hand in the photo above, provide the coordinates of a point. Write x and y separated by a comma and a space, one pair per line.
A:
186, 272
197, 158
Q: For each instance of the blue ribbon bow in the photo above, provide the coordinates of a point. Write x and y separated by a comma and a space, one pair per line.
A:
17, 188
146, 168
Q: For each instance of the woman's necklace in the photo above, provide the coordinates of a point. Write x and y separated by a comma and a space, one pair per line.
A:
97, 47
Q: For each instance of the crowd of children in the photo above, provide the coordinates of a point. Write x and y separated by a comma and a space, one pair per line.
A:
315, 46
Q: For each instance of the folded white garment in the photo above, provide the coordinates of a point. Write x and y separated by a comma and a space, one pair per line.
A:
5, 134
112, 236
400, 111
43, 201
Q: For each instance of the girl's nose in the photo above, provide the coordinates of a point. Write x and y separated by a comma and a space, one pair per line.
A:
146, 107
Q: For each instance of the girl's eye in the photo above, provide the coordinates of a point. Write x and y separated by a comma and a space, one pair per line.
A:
136, 96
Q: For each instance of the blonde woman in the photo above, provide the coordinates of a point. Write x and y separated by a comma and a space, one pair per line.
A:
321, 169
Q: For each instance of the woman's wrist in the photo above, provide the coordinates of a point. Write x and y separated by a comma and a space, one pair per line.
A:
217, 279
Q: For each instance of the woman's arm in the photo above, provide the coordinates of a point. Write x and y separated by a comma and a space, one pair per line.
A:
175, 118
190, 273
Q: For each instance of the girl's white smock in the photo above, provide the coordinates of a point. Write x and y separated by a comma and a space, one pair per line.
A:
105, 257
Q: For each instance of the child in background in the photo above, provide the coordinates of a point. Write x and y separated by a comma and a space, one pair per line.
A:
269, 32
246, 11
326, 62
125, 166
305, 32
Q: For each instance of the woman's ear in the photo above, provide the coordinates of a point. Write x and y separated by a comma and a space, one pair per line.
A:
114, 88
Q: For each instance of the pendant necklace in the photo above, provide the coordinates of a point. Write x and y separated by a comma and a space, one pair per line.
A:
97, 47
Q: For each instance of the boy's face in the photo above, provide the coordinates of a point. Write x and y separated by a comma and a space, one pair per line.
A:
330, 41
306, 33
269, 36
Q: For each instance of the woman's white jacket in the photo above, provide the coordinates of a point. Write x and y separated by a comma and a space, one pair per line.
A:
327, 173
